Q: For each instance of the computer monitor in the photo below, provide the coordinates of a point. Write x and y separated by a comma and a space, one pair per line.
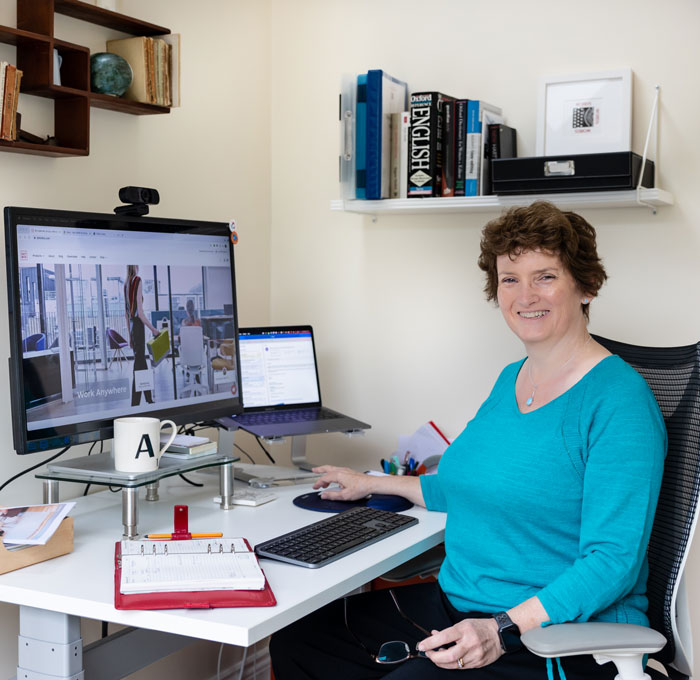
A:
111, 316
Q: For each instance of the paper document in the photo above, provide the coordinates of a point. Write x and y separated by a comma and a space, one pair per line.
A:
426, 445
31, 524
189, 565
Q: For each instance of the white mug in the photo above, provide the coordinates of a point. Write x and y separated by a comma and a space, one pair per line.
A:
137, 443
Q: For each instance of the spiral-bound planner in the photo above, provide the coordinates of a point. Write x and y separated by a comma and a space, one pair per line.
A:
188, 574
168, 566
183, 573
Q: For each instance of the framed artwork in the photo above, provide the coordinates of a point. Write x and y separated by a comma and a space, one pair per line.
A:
585, 113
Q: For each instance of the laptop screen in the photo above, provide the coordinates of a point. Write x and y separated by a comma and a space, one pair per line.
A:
278, 367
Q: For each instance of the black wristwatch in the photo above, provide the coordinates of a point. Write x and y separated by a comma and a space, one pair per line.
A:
508, 633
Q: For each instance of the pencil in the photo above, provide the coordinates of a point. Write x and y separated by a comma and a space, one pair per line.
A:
212, 535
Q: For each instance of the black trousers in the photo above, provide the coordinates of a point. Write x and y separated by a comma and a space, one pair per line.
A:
319, 646
138, 344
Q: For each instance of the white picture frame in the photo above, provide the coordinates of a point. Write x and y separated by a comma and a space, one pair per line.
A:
585, 113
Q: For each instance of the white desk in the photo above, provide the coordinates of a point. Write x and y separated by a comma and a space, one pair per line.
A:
82, 584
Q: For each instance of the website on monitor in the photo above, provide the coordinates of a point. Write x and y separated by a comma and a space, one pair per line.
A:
122, 322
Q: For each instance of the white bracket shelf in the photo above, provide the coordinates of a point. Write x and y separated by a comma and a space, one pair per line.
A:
646, 198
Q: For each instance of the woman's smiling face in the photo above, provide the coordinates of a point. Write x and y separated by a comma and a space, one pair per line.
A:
537, 296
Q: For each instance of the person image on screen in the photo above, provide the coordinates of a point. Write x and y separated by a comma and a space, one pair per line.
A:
550, 491
136, 319
191, 318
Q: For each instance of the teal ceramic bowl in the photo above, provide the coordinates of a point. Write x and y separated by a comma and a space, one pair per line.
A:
109, 74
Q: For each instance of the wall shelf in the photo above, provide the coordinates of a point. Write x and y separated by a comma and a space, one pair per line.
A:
650, 198
35, 43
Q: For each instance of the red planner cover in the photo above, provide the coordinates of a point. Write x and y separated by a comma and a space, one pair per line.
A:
203, 599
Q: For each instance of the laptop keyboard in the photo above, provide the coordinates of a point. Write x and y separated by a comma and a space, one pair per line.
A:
334, 537
287, 416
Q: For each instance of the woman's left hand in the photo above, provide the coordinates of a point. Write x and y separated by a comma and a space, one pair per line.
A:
474, 641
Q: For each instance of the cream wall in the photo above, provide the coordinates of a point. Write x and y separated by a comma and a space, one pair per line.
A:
209, 159
404, 334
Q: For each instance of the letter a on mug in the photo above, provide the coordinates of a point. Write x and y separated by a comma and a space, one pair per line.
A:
145, 441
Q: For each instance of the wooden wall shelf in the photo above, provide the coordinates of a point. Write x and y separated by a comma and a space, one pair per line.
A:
35, 42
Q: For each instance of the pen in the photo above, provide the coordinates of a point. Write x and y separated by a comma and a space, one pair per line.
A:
217, 534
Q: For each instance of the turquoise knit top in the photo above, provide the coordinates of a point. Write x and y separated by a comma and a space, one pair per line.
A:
557, 503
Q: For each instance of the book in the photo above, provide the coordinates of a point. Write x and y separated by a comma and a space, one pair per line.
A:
403, 154
15, 101
182, 566
172, 40
150, 64
8, 102
188, 445
395, 152
502, 141
361, 137
448, 153
460, 145
478, 114
425, 144
385, 95
3, 68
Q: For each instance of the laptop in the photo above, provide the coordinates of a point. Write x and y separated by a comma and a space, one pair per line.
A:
280, 386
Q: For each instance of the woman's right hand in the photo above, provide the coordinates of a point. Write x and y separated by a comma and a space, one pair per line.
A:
353, 485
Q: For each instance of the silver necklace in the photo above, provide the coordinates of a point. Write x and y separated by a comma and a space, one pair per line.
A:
531, 398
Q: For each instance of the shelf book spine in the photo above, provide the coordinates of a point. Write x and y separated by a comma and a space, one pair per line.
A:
448, 153
395, 169
502, 140
476, 112
13, 121
460, 145
425, 145
7, 102
403, 154
361, 138
3, 68
385, 95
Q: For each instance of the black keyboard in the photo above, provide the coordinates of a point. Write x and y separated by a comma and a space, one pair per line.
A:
318, 544
293, 416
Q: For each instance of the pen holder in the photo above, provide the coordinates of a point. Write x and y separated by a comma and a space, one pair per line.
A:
61, 543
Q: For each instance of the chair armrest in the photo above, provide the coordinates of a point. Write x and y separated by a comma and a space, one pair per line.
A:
568, 639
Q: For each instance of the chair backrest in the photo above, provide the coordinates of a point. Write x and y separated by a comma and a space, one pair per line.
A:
115, 340
191, 346
673, 374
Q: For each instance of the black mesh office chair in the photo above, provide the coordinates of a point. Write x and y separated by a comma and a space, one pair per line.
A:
674, 376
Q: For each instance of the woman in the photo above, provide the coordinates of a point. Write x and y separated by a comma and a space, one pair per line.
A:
191, 318
550, 491
136, 319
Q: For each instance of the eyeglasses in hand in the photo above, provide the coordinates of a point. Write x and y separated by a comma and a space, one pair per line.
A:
392, 652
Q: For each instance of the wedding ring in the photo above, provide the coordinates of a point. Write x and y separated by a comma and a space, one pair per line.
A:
460, 663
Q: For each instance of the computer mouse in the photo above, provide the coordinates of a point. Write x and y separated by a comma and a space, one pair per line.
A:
261, 482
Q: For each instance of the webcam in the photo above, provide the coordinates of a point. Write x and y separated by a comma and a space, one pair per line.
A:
138, 200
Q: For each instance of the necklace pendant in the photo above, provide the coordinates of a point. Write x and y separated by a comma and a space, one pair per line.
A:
528, 402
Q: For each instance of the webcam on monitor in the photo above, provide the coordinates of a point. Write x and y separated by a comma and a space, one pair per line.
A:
138, 200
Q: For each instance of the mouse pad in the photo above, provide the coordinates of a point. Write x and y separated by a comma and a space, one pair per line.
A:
312, 501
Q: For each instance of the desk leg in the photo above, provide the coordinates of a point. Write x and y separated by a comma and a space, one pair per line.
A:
49, 645
50, 491
130, 514
299, 452
226, 485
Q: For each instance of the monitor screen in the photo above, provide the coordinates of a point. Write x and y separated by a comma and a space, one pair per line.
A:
113, 316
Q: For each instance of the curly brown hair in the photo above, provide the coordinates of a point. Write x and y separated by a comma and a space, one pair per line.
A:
542, 226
